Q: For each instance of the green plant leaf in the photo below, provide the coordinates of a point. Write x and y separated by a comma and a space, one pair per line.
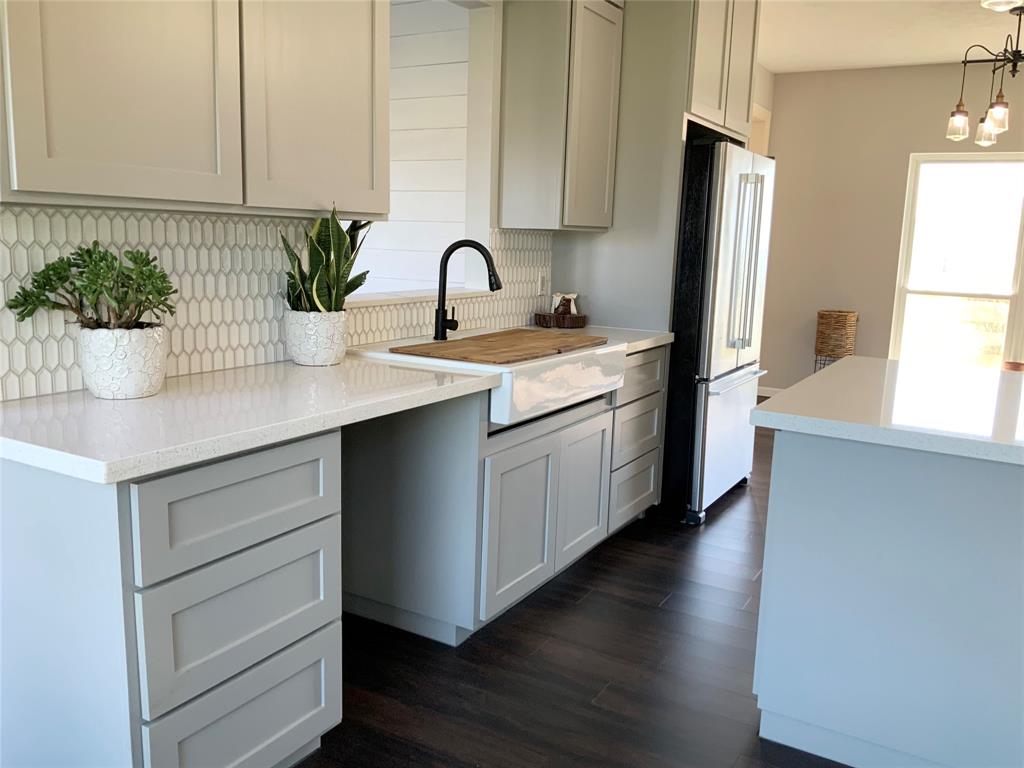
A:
101, 289
317, 256
321, 294
356, 283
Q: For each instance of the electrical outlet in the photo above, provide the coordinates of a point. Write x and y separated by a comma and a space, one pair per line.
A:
542, 284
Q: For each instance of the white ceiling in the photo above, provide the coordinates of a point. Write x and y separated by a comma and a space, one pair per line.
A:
810, 35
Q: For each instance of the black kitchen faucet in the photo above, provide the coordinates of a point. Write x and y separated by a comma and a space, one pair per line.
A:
443, 323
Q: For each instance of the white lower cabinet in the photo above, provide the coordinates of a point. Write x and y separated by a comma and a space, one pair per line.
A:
520, 493
259, 718
638, 428
200, 629
545, 504
582, 520
634, 488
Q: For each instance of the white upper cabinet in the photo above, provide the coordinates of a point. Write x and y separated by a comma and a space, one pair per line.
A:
126, 99
559, 113
593, 113
742, 58
315, 102
724, 55
149, 101
710, 70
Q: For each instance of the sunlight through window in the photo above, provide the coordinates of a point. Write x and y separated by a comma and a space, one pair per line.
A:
959, 261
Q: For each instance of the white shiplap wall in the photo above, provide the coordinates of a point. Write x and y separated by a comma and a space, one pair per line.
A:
429, 84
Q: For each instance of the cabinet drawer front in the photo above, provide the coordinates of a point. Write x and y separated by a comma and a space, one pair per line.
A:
634, 488
645, 375
259, 718
206, 626
520, 495
638, 428
191, 518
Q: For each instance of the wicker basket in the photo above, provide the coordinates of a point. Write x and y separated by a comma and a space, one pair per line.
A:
836, 336
552, 320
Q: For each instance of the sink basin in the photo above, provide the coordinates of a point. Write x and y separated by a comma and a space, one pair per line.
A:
531, 388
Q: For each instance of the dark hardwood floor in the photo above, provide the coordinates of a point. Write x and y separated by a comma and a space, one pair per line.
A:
639, 654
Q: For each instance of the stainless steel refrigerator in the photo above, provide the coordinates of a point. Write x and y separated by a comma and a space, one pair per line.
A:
722, 261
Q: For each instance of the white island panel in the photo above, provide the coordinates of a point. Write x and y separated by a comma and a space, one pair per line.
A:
891, 626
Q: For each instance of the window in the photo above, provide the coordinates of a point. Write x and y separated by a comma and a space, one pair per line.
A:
960, 259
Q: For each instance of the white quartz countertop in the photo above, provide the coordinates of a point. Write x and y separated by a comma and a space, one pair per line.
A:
635, 339
971, 412
205, 416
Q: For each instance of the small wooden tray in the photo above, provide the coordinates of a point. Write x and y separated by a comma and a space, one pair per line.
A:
513, 346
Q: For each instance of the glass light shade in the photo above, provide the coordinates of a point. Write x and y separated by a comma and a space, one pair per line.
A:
998, 115
985, 136
958, 128
1000, 6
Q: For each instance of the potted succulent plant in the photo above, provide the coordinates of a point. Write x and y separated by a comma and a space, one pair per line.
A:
118, 301
314, 321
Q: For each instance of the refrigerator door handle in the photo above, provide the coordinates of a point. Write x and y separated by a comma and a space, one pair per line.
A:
750, 295
713, 392
737, 299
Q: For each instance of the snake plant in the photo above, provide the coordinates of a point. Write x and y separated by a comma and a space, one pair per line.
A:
323, 285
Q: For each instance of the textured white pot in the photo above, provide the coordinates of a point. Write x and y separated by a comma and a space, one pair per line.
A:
315, 338
118, 364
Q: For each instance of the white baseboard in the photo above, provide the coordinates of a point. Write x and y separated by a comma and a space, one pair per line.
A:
768, 391
834, 745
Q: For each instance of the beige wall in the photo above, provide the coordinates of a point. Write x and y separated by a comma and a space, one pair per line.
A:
764, 87
624, 275
843, 140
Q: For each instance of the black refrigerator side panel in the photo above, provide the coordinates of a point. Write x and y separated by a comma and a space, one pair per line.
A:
688, 296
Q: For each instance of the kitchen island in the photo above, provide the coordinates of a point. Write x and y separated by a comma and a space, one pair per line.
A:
891, 627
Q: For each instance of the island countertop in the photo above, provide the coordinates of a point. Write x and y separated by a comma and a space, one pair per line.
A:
201, 417
961, 411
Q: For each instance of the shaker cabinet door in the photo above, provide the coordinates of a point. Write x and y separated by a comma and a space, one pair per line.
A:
315, 87
101, 100
520, 494
710, 80
742, 58
593, 115
583, 474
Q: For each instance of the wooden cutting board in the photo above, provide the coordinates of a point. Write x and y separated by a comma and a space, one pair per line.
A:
513, 346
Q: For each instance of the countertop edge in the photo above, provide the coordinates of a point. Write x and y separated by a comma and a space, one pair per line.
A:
660, 340
177, 457
917, 439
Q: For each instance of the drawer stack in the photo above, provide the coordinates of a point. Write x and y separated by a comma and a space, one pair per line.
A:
237, 569
638, 436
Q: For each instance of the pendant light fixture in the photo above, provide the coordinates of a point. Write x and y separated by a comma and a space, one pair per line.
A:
1000, 6
959, 127
999, 113
984, 136
996, 119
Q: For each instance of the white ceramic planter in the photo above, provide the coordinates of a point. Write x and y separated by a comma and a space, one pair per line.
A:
119, 364
315, 338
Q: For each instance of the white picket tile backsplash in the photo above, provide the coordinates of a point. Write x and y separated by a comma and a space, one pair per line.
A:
229, 274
